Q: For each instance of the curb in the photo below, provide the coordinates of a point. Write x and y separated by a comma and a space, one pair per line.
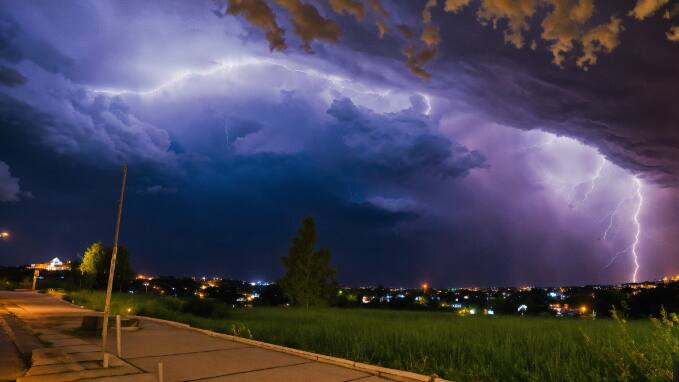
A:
392, 374
384, 372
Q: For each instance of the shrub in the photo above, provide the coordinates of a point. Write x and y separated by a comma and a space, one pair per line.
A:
199, 307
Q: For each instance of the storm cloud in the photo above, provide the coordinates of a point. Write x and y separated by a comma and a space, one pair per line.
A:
9, 185
502, 168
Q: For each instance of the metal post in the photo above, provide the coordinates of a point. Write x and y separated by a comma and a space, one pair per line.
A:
107, 305
118, 342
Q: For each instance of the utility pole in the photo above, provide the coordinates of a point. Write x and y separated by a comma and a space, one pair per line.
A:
107, 305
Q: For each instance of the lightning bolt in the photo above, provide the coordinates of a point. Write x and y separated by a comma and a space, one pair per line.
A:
615, 257
290, 66
593, 181
591, 184
637, 223
634, 248
611, 218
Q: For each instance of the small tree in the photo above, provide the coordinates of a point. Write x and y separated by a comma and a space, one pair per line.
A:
309, 280
96, 264
92, 259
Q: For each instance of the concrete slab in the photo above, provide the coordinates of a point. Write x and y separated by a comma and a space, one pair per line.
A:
155, 339
52, 337
11, 365
67, 342
80, 348
77, 375
299, 373
22, 337
183, 367
124, 378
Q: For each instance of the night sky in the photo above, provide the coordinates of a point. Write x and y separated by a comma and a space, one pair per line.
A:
458, 142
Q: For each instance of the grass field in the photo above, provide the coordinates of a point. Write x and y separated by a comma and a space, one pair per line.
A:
453, 347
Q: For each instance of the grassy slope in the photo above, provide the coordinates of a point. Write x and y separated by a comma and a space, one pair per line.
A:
458, 348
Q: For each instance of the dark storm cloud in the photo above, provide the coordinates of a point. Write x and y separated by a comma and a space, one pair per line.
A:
399, 144
17, 45
248, 150
10, 77
74, 121
623, 105
9, 185
635, 130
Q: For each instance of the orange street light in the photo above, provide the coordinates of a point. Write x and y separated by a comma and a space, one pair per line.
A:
425, 286
4, 235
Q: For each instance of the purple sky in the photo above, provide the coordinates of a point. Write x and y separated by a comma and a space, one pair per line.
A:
440, 152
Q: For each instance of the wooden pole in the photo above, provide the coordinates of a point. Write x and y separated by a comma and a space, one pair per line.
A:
107, 304
160, 372
36, 273
118, 339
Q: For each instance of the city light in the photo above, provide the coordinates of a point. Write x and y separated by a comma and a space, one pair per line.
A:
4, 235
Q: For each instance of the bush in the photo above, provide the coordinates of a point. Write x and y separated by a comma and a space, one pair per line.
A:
199, 307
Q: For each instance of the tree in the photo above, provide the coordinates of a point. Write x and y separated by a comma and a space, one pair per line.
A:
91, 259
309, 279
97, 262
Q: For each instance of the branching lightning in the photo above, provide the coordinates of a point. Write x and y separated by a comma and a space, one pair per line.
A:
634, 247
611, 218
590, 182
615, 257
228, 65
593, 181
637, 223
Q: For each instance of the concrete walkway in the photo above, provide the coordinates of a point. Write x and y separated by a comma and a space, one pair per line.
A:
187, 354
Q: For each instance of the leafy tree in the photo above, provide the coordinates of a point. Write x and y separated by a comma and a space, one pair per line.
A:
92, 259
309, 280
96, 264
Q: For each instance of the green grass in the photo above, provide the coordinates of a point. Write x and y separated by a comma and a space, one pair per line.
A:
453, 347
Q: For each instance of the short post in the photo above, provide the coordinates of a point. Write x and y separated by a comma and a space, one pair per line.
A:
160, 372
118, 343
36, 273
105, 360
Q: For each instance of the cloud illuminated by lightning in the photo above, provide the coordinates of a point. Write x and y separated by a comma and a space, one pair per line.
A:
227, 66
591, 184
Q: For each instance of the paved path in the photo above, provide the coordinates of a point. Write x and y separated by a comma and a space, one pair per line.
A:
11, 365
187, 354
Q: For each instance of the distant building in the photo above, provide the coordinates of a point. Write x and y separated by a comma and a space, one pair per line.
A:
53, 265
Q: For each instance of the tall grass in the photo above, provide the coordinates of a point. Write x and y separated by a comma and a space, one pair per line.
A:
453, 347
